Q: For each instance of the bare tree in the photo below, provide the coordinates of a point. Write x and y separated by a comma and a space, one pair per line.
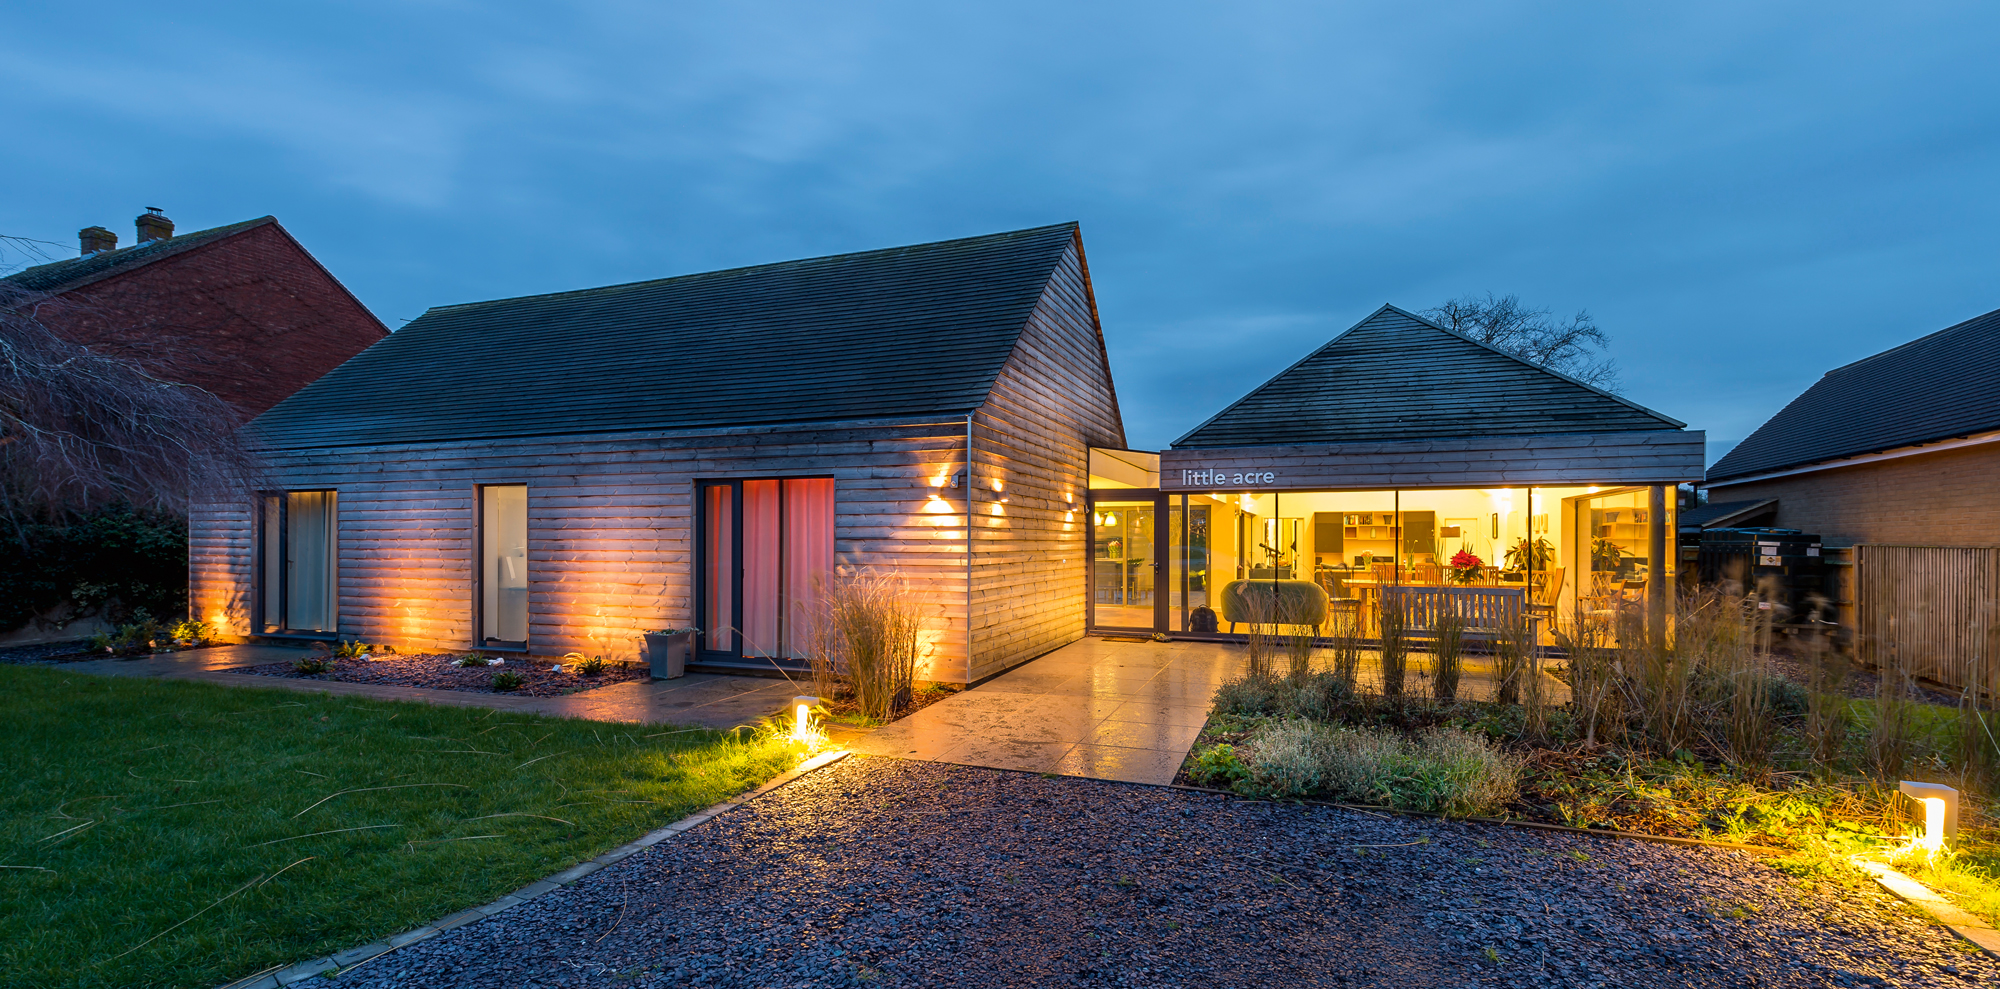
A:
1574, 346
81, 430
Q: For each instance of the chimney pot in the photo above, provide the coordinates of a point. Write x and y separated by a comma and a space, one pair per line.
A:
97, 239
153, 225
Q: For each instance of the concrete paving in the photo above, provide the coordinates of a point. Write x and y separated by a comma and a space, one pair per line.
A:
1112, 709
696, 700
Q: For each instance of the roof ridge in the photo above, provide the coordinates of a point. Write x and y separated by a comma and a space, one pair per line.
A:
740, 269
1614, 396
103, 264
1905, 345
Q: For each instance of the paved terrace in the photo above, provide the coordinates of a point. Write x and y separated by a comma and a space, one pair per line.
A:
1111, 709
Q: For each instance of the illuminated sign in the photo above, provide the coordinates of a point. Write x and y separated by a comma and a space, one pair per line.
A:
1214, 478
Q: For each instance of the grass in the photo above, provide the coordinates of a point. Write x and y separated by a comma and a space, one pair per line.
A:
161, 833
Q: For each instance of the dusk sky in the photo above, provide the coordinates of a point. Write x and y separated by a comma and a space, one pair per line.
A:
1744, 196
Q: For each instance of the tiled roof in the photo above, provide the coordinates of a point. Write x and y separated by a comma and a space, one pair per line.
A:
1396, 375
1717, 514
907, 331
61, 276
1933, 388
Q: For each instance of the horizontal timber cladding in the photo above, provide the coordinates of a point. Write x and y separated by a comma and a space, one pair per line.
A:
1638, 457
1051, 402
610, 548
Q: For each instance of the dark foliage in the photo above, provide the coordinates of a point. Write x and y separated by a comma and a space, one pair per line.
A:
111, 562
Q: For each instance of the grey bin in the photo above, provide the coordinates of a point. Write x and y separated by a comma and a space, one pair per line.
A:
669, 653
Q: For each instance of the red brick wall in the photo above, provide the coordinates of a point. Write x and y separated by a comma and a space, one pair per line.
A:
1937, 499
251, 318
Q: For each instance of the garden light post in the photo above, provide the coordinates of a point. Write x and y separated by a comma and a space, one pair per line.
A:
1940, 805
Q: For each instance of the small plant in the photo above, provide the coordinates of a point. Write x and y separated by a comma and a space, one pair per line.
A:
1466, 567
472, 659
1219, 766
313, 666
1299, 647
589, 667
355, 649
193, 632
506, 680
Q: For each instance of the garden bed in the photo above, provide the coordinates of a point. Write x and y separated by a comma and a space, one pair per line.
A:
434, 671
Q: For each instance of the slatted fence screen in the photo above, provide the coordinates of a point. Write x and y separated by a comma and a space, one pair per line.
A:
1940, 603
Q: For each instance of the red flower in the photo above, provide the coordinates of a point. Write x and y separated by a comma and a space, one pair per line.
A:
1465, 560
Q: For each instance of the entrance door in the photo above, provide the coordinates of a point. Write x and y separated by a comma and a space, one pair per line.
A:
1128, 554
764, 547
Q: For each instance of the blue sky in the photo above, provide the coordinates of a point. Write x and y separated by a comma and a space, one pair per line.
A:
1743, 195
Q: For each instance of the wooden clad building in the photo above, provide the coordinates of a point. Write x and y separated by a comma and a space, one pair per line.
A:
1370, 466
565, 472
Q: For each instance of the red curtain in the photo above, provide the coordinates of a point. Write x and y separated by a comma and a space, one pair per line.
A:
808, 554
719, 613
762, 546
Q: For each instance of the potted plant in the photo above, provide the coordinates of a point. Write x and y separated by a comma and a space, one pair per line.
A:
1520, 557
1466, 567
669, 650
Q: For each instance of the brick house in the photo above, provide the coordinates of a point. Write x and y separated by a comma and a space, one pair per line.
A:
1901, 447
243, 311
1895, 461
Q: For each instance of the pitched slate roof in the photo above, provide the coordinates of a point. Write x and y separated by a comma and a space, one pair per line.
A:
1726, 513
1936, 387
1396, 375
907, 331
61, 276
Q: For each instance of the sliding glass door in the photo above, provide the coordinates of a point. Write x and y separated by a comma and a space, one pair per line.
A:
764, 547
1129, 547
299, 563
503, 565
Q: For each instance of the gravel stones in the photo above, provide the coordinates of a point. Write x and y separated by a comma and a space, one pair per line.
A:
434, 671
887, 872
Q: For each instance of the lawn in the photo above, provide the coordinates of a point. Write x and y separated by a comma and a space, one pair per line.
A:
159, 833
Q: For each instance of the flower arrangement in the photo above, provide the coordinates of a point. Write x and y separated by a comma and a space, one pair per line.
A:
1465, 567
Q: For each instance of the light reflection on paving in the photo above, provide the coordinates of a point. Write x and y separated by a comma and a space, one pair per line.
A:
1110, 709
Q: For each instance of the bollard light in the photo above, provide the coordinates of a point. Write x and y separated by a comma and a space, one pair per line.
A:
1940, 804
802, 730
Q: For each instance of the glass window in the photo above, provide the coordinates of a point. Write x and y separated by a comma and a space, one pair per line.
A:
300, 562
767, 544
503, 550
1122, 572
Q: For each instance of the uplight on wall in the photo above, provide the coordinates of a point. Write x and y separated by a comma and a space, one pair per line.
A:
1940, 804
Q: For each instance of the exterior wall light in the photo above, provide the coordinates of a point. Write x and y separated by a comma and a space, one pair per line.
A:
1940, 805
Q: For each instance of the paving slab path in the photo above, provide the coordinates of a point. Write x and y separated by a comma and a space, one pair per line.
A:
890, 872
698, 699
1106, 708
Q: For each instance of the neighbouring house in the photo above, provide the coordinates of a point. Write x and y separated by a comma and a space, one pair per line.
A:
564, 472
1896, 456
1367, 467
242, 311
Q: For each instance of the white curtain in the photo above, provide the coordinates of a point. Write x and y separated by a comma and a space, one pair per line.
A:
311, 558
503, 541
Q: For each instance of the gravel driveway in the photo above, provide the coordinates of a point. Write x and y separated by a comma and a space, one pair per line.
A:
886, 872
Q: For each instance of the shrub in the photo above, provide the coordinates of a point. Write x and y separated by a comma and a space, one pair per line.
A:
1319, 696
112, 563
1443, 771
1448, 651
589, 667
1219, 766
355, 649
865, 633
471, 659
506, 680
196, 632
313, 666
1248, 697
